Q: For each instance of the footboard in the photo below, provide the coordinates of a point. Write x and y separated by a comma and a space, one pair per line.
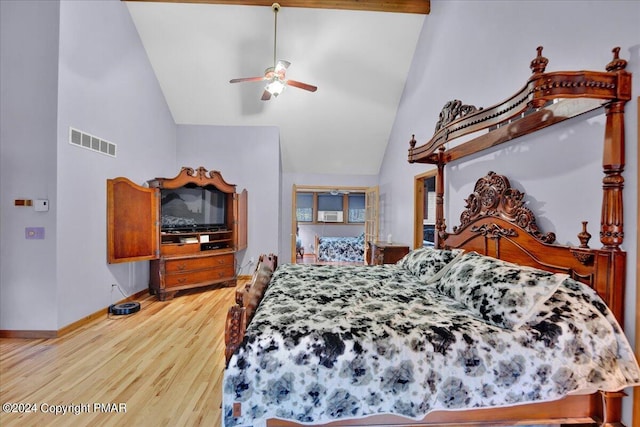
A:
248, 298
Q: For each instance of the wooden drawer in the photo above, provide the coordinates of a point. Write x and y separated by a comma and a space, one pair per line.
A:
189, 264
179, 248
200, 276
394, 254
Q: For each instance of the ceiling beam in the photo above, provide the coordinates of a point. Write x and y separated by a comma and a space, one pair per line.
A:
396, 6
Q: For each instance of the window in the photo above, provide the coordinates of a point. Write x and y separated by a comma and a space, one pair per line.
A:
304, 207
350, 203
329, 202
356, 208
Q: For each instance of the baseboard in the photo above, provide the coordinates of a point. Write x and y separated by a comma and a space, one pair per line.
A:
98, 314
244, 277
69, 328
28, 334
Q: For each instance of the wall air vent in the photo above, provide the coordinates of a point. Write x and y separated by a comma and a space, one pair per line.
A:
90, 142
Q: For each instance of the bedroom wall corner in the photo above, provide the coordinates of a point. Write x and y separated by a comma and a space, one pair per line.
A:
248, 157
29, 34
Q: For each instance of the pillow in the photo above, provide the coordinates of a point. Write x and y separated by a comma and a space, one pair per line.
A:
428, 263
499, 292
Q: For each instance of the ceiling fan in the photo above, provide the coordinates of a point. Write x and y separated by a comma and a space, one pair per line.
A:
276, 75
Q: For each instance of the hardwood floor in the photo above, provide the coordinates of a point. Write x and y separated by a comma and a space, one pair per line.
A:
164, 365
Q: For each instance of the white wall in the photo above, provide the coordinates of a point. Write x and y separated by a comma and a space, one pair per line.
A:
479, 52
28, 83
248, 157
78, 64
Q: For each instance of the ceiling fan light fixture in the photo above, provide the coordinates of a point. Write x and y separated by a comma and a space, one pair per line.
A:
275, 87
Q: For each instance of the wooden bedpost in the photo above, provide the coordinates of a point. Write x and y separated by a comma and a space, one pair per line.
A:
612, 402
611, 222
441, 233
612, 216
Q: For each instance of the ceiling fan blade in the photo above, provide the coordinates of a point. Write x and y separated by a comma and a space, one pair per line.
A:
301, 85
266, 95
246, 79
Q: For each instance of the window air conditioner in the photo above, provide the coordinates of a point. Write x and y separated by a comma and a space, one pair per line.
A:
330, 216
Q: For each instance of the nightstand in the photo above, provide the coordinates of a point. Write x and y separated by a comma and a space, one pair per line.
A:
386, 253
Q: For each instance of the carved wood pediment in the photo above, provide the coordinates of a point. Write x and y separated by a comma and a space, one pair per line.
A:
493, 197
199, 176
494, 231
451, 111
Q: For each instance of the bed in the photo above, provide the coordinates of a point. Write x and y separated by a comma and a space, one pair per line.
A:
340, 249
496, 325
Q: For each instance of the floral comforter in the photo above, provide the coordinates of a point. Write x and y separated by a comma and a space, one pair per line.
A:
344, 249
337, 342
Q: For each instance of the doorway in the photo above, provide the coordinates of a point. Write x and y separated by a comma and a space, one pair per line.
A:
336, 212
425, 209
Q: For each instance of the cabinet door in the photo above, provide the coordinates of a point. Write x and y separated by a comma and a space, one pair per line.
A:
132, 221
240, 219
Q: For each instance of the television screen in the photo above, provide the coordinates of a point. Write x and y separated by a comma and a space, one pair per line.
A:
192, 208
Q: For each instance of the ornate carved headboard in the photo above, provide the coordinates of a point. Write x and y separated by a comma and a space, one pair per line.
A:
496, 221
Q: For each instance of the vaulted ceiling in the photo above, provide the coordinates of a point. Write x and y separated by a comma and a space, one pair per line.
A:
358, 59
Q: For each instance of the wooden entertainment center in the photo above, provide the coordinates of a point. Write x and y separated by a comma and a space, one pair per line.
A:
194, 250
